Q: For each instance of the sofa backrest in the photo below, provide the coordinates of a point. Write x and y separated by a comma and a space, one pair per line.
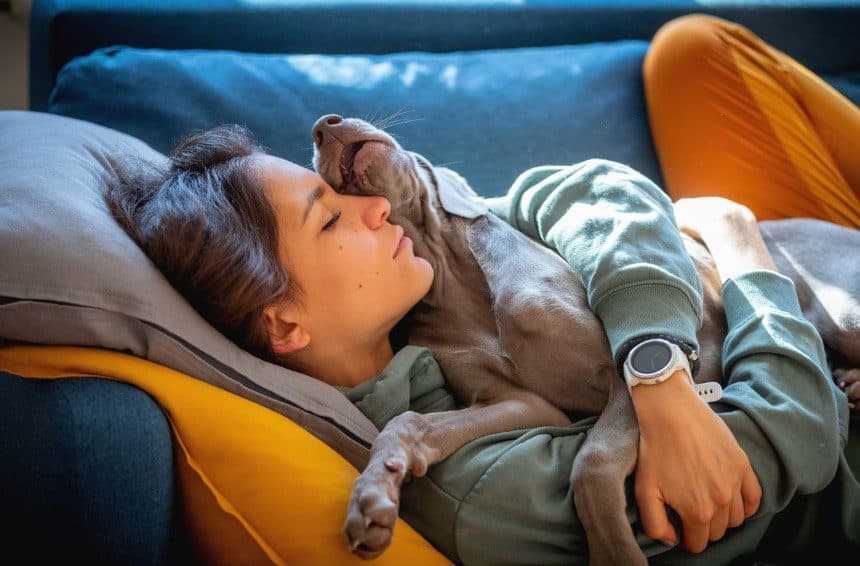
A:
488, 115
823, 35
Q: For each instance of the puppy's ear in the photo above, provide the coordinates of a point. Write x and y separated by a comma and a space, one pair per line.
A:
456, 196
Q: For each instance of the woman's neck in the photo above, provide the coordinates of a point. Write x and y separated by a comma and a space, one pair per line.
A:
344, 367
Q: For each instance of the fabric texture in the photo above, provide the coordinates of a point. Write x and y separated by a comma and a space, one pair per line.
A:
412, 380
734, 117
256, 487
814, 31
469, 110
69, 275
87, 464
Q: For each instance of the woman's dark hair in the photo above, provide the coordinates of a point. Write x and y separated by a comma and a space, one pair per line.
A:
205, 222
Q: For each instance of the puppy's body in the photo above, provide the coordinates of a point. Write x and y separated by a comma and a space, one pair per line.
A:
498, 302
509, 324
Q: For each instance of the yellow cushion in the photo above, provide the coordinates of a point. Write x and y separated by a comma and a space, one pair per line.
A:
256, 487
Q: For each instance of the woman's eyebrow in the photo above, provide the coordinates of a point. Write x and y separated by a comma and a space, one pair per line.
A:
314, 197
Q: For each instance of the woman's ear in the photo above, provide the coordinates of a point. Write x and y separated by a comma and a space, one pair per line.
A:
285, 335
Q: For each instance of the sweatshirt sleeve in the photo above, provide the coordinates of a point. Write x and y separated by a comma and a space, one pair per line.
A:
780, 402
617, 229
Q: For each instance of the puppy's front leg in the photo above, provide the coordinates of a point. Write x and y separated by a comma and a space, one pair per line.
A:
412, 442
605, 460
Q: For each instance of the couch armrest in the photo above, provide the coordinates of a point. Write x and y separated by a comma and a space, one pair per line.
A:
63, 29
88, 464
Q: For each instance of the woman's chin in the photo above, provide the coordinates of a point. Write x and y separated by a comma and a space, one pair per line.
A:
425, 265
428, 274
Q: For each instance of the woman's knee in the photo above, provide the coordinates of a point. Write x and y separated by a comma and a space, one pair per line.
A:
681, 45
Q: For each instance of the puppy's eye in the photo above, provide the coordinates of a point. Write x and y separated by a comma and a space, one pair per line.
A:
330, 224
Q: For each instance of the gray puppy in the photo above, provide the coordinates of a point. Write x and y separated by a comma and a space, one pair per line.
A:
512, 369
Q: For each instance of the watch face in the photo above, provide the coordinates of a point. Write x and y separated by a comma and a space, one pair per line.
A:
651, 357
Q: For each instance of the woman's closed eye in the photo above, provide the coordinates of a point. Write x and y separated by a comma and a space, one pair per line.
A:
330, 224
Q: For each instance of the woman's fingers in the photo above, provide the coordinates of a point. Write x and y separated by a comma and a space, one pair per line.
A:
736, 510
655, 519
750, 493
719, 523
744, 502
696, 531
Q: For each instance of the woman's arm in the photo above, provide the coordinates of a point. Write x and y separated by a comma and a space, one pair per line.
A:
779, 402
616, 229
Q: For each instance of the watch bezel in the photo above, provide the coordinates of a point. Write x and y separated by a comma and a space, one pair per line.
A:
673, 357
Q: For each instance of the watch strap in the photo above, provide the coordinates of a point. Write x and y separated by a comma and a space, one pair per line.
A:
709, 392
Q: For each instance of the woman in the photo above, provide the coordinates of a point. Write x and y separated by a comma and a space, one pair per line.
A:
251, 211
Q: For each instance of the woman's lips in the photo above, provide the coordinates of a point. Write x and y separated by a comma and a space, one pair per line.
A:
404, 241
400, 240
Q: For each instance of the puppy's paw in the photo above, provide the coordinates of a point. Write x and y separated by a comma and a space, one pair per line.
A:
373, 509
848, 381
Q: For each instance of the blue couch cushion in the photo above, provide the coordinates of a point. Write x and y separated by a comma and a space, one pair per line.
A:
487, 114
821, 33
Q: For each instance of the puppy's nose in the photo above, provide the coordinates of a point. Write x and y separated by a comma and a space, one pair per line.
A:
323, 127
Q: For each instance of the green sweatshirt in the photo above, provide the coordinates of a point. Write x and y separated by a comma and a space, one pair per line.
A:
617, 229
506, 498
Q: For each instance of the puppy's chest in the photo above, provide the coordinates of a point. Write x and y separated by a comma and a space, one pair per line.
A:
523, 277
522, 313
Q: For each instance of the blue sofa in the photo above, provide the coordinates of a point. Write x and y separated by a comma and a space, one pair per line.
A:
488, 87
546, 80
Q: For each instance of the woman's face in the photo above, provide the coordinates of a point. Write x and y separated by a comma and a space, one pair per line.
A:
341, 248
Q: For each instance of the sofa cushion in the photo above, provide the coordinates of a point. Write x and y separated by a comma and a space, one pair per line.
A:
488, 114
69, 275
821, 33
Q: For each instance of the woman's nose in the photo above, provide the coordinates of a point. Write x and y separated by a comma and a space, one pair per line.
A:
377, 210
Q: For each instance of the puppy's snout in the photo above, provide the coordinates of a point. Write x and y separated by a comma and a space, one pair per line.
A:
324, 126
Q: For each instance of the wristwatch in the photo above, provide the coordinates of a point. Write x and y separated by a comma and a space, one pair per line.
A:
654, 361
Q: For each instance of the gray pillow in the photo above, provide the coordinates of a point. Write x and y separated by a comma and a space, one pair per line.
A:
69, 275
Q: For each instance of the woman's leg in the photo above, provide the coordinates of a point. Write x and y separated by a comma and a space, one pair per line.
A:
734, 117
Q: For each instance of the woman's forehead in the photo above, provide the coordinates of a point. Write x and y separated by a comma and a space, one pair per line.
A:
288, 187
276, 169
285, 181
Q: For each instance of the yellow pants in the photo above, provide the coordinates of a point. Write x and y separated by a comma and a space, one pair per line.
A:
731, 116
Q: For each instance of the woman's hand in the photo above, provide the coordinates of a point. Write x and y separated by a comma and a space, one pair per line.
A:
690, 461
